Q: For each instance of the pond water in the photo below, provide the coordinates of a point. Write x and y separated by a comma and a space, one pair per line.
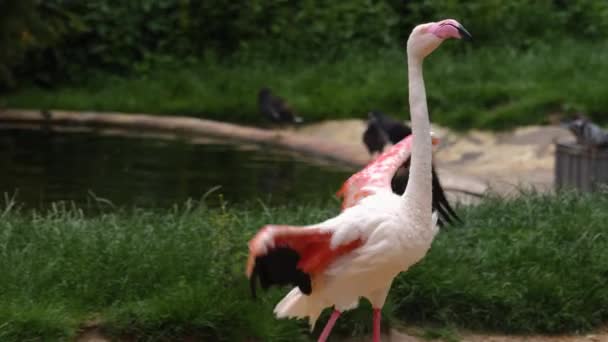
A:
41, 166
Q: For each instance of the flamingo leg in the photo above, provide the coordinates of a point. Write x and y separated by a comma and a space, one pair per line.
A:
377, 317
330, 324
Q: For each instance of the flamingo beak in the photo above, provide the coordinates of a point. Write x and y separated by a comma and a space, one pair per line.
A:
464, 33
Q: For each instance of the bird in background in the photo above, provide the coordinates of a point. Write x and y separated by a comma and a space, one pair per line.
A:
392, 130
383, 129
275, 108
359, 252
374, 136
586, 132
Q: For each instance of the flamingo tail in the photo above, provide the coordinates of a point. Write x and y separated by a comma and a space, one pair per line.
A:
297, 305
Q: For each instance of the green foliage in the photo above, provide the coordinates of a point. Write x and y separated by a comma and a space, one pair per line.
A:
27, 25
521, 23
178, 273
536, 263
482, 87
119, 36
531, 264
63, 38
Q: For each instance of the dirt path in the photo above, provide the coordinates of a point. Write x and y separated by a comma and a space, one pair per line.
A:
412, 335
465, 336
503, 162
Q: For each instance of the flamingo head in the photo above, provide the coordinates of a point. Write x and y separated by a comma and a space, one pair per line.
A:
427, 37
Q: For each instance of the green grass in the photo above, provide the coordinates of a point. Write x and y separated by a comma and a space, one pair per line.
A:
533, 264
468, 86
537, 263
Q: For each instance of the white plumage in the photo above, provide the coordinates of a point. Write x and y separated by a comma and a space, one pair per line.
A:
391, 246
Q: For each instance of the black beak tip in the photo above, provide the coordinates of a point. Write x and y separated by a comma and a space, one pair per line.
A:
465, 34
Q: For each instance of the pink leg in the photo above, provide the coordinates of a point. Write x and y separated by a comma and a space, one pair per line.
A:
377, 317
330, 324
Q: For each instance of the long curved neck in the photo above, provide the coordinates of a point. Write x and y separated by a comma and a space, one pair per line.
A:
417, 194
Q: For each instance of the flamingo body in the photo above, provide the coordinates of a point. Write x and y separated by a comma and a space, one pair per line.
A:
377, 235
355, 254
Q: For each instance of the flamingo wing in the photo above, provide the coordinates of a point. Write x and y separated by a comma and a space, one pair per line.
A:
376, 175
282, 254
382, 173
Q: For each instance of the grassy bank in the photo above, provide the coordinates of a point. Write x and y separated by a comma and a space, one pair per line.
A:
537, 263
477, 86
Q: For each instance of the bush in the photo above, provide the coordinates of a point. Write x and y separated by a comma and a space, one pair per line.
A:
521, 23
27, 25
119, 35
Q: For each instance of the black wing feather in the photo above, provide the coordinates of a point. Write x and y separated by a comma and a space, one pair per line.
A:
440, 203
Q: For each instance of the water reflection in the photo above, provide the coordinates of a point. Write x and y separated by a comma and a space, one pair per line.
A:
44, 166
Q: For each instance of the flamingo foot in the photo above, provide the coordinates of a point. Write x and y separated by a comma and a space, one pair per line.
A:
377, 317
330, 324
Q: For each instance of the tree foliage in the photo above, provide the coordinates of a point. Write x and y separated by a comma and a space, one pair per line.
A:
51, 39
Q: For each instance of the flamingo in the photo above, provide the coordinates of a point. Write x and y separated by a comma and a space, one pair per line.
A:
360, 251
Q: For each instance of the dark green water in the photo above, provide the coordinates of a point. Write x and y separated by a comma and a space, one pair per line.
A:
44, 167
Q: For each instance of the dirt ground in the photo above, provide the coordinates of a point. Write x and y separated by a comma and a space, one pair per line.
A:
411, 335
599, 336
476, 160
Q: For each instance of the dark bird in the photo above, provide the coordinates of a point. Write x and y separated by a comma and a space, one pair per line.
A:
586, 132
275, 108
46, 114
374, 137
395, 129
382, 129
